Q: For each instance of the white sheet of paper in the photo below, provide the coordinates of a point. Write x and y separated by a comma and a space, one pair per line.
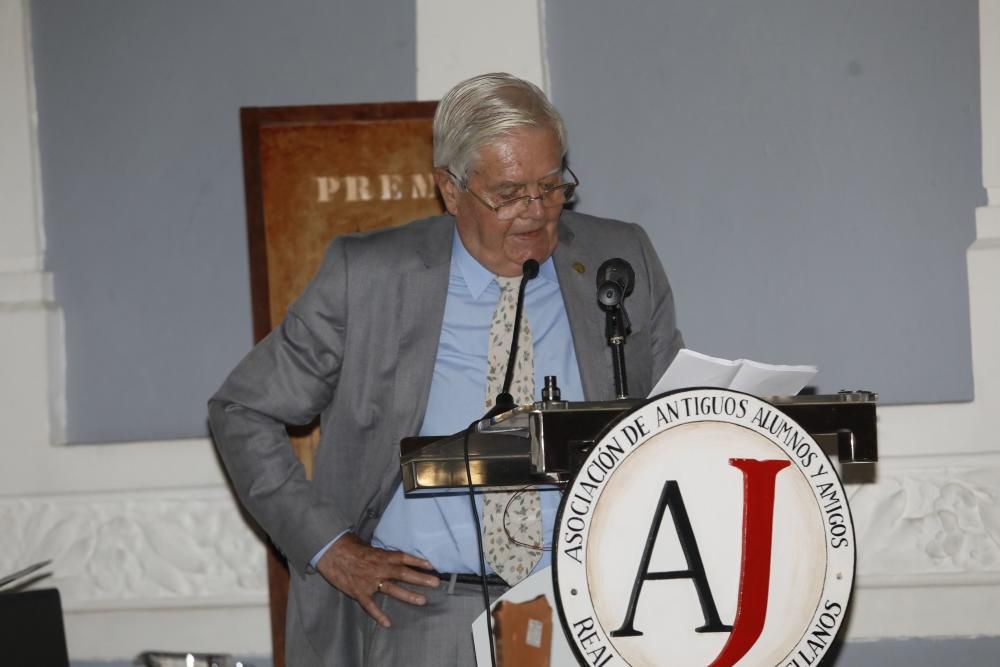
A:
767, 380
694, 369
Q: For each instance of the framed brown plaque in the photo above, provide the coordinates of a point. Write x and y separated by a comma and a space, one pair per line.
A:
312, 173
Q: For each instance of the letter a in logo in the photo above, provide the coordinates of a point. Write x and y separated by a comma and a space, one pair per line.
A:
671, 497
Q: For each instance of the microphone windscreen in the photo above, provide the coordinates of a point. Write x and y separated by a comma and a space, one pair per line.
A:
617, 270
529, 269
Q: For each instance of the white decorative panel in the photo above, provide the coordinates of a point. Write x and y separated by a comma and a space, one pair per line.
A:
137, 550
927, 521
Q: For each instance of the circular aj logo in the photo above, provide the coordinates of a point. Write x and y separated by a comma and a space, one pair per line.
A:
705, 528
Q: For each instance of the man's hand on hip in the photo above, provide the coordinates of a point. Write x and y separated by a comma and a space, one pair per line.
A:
361, 570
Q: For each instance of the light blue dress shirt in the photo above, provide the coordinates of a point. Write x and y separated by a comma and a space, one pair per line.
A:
439, 526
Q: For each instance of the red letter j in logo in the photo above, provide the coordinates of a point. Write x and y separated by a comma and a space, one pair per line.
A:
755, 568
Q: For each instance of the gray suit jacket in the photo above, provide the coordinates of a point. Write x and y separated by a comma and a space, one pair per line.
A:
358, 348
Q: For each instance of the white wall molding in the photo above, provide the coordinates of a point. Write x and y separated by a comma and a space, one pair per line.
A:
21, 238
989, 84
929, 521
139, 549
123, 466
928, 535
967, 610
457, 39
121, 635
24, 287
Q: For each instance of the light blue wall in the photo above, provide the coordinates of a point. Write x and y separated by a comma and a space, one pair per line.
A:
808, 171
138, 105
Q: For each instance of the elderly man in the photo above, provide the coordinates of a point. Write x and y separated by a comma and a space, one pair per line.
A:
401, 333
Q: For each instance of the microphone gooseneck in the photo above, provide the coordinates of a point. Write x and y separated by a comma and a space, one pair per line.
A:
504, 400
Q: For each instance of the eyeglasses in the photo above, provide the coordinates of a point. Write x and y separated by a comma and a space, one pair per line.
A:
508, 209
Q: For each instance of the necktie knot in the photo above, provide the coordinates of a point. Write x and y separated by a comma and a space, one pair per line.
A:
507, 284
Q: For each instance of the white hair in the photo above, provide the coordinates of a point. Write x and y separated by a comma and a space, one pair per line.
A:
483, 109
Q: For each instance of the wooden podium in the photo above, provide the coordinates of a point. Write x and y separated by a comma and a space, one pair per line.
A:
686, 520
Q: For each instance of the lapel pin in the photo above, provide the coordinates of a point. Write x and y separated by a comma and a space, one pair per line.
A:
578, 267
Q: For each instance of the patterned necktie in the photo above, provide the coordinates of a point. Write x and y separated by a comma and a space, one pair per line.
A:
512, 561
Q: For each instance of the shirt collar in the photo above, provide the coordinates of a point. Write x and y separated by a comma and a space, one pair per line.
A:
477, 277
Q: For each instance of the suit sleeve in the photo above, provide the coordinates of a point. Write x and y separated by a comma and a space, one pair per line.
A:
665, 337
288, 378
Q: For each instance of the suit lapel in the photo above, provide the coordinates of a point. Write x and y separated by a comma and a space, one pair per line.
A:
576, 267
423, 291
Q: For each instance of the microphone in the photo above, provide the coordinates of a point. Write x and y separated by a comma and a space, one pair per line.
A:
530, 269
505, 401
615, 281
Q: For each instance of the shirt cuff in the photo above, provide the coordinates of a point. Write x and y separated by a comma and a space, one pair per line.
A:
319, 554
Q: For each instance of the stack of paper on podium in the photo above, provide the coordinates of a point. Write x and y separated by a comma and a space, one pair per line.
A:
694, 369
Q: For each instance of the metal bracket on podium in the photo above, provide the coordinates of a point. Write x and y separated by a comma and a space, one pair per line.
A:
544, 443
